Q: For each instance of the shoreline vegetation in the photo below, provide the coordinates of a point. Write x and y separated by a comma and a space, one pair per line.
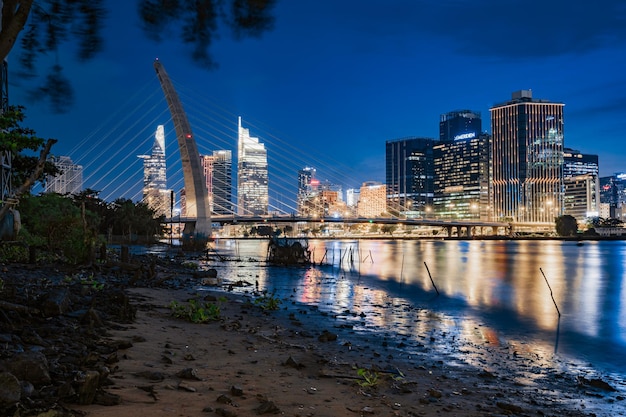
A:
114, 340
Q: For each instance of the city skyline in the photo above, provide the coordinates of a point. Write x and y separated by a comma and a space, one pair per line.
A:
368, 74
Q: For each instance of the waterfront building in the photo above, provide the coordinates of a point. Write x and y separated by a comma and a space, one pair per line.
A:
319, 199
409, 173
581, 183
155, 192
613, 194
527, 159
373, 200
461, 183
580, 198
69, 181
252, 178
218, 173
460, 125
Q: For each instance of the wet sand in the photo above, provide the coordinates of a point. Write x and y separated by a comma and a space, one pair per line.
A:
298, 362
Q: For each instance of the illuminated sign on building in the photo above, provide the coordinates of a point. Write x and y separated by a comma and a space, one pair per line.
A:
463, 136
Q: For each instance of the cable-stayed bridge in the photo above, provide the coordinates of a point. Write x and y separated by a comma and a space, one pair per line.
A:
109, 156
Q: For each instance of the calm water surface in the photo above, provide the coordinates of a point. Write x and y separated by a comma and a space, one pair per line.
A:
479, 291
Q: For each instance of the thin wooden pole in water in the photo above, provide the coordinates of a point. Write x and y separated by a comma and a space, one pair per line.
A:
551, 295
431, 277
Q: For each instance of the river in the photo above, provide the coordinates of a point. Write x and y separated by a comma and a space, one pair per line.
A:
563, 302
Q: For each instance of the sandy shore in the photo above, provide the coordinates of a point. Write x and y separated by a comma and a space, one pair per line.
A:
255, 362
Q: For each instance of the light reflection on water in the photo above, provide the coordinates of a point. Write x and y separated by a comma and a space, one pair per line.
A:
489, 291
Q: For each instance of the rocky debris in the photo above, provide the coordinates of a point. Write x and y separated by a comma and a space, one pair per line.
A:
595, 383
54, 348
327, 336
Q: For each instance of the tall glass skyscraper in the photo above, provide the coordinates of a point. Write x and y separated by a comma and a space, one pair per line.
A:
252, 178
218, 174
409, 175
307, 185
155, 192
527, 152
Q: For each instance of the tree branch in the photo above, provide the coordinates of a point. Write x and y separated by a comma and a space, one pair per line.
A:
34, 176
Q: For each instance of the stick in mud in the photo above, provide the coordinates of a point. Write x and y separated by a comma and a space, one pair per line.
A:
431, 278
551, 295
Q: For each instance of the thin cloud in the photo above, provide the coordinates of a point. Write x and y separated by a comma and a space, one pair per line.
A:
512, 29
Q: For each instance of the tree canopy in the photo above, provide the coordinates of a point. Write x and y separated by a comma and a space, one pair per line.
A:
566, 225
47, 24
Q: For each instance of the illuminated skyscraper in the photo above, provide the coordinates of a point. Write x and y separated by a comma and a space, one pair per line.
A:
307, 188
69, 181
155, 192
409, 174
581, 184
462, 178
219, 180
252, 179
527, 152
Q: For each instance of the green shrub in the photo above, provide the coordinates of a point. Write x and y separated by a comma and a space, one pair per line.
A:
268, 302
195, 311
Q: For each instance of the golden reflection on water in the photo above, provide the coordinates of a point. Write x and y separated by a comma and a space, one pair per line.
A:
388, 281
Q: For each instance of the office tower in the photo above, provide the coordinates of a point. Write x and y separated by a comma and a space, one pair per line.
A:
155, 192
218, 173
373, 200
527, 159
581, 184
613, 195
252, 181
307, 186
352, 197
69, 181
409, 174
462, 183
460, 124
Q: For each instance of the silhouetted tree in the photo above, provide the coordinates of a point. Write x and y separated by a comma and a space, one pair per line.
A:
566, 225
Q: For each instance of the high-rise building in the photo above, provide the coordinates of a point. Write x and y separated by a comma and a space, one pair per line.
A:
373, 200
613, 195
69, 181
581, 184
155, 192
409, 173
218, 174
527, 159
460, 124
252, 178
462, 185
307, 186
352, 197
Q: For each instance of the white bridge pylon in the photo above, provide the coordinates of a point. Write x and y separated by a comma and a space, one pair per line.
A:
196, 194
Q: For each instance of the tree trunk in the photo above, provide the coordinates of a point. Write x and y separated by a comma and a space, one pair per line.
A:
34, 176
14, 16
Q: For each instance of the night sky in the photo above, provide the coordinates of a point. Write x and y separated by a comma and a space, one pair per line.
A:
333, 80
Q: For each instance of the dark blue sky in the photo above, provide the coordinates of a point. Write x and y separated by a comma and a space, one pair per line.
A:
336, 79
